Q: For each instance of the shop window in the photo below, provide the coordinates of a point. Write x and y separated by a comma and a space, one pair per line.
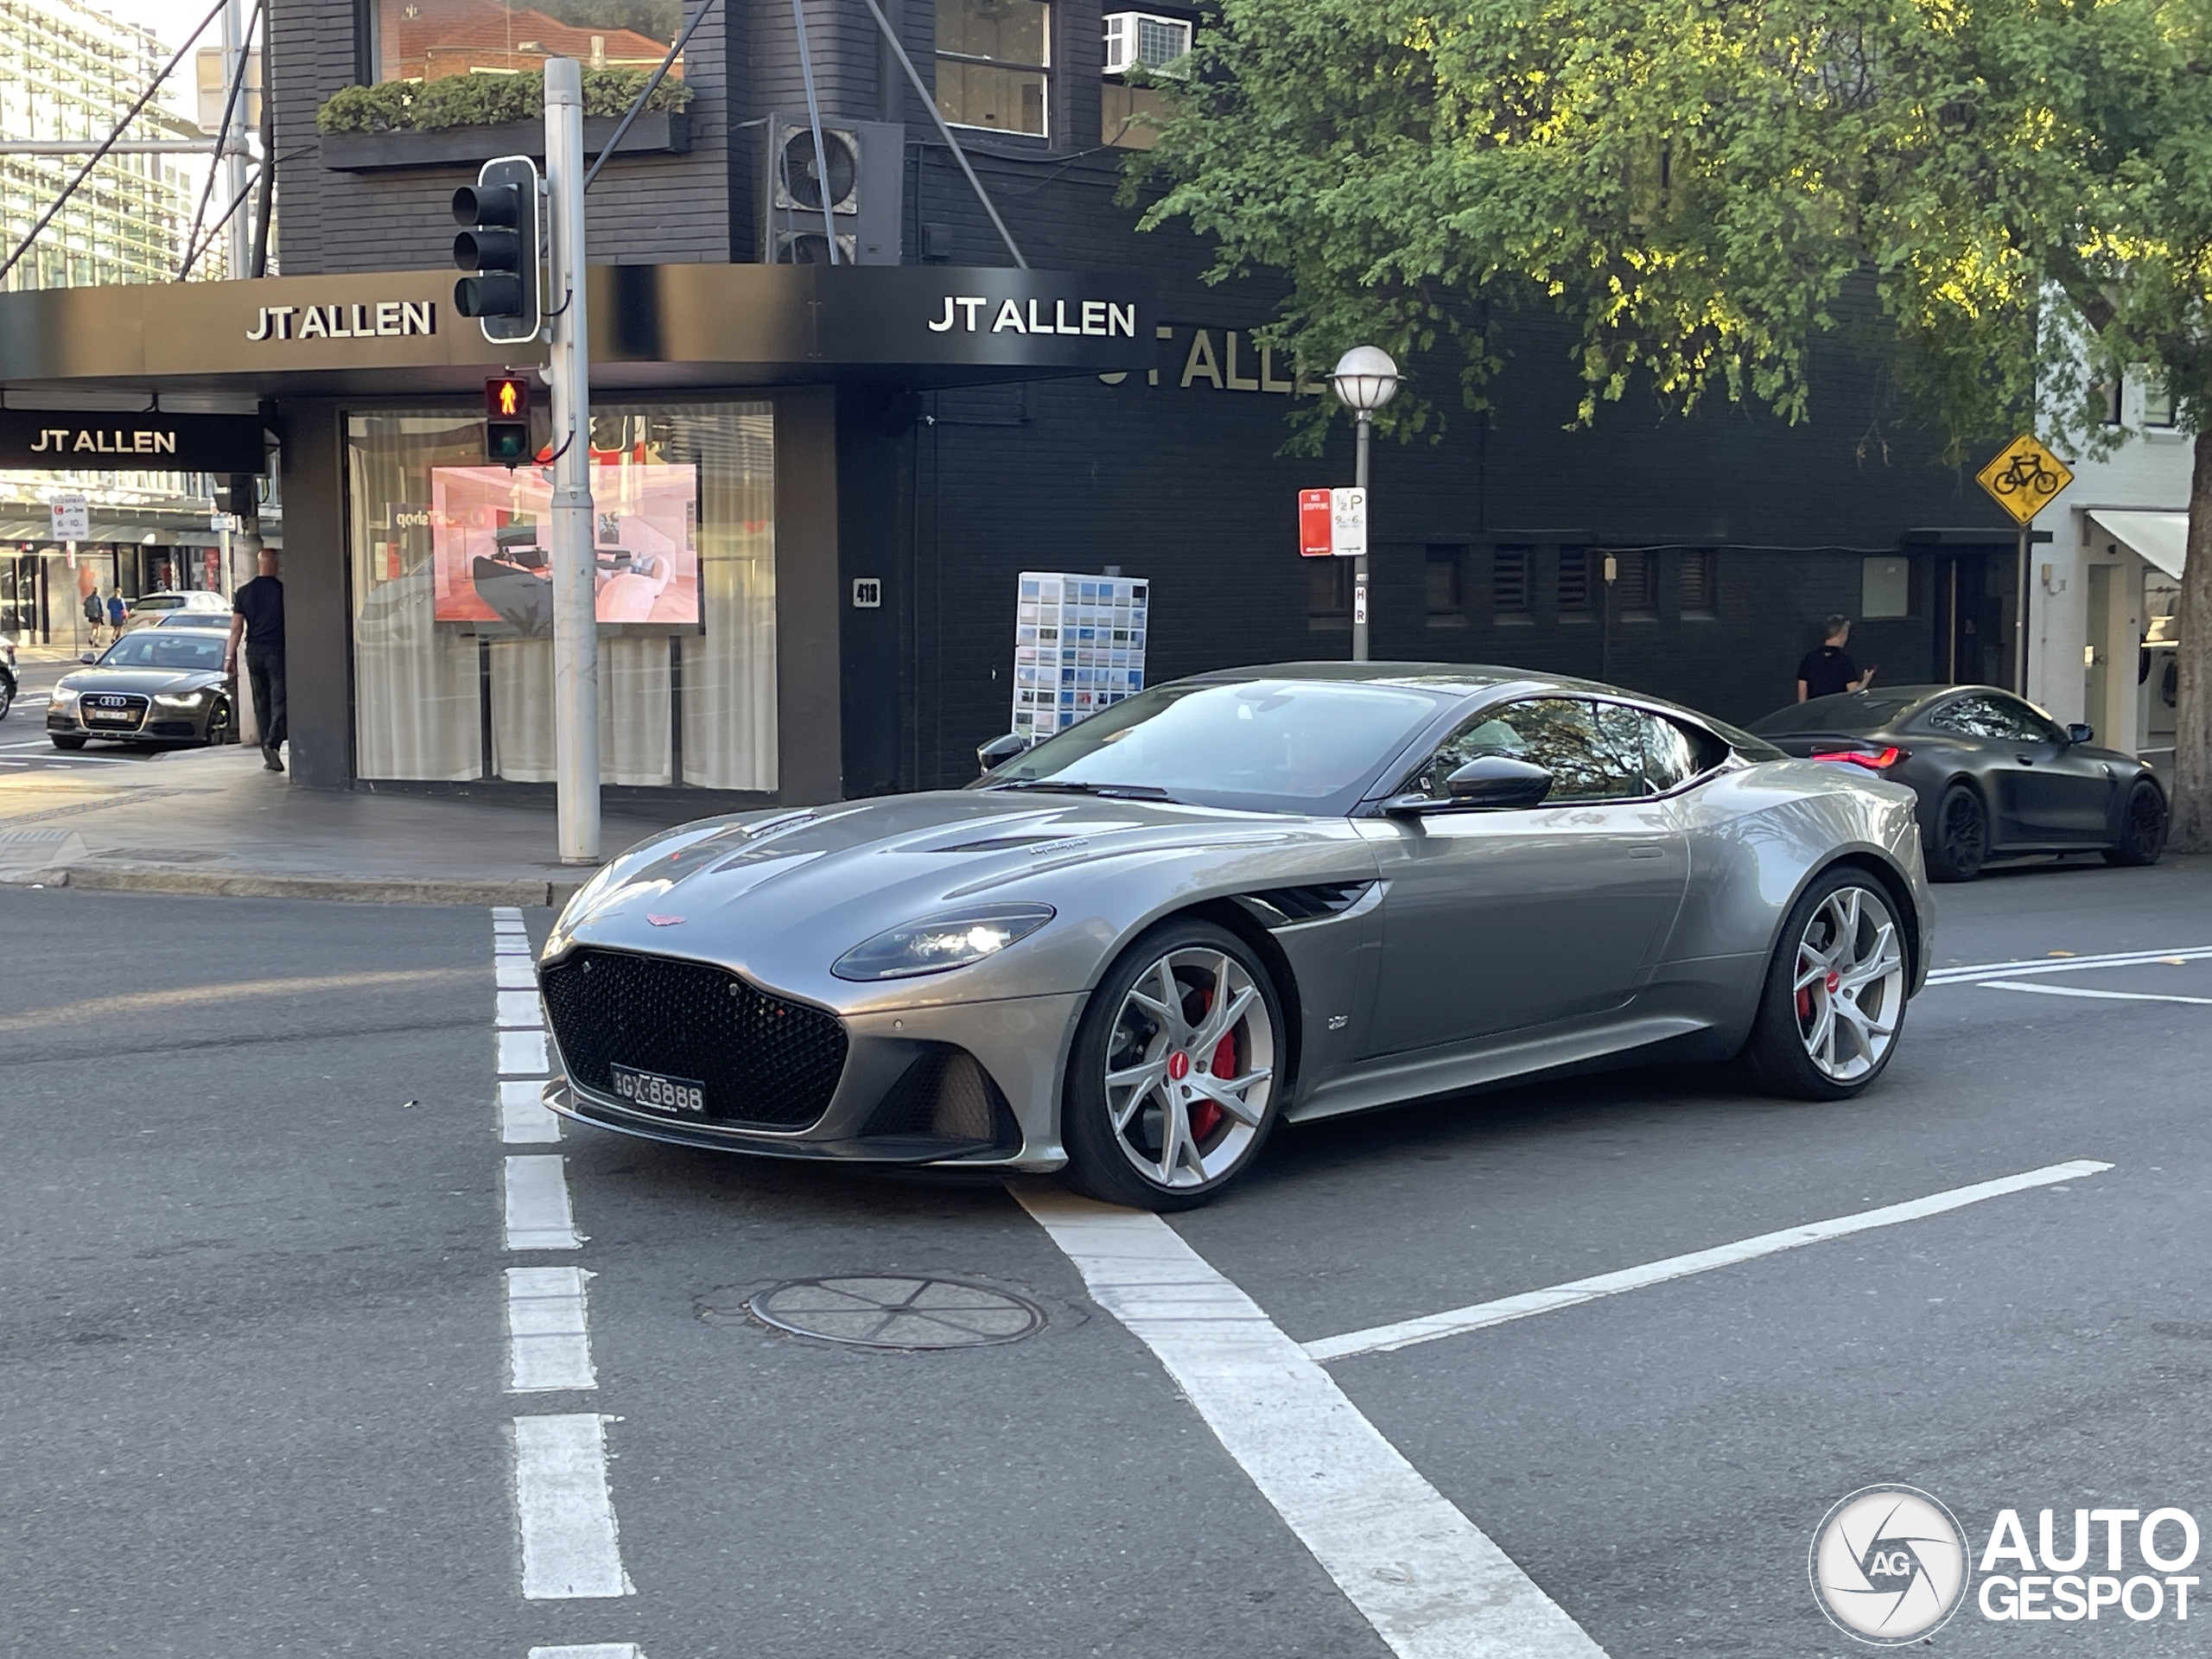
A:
1573, 591
1636, 585
1697, 581
1328, 593
2157, 405
429, 40
992, 63
1446, 601
2105, 399
1129, 117
1508, 583
453, 659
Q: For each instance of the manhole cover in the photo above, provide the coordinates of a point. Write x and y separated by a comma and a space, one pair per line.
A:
889, 1311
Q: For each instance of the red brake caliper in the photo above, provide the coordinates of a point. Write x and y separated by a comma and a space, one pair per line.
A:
1205, 1116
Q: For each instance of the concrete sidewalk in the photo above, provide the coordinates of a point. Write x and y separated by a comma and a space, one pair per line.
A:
213, 821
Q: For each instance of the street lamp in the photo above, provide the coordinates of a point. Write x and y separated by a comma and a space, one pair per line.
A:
1365, 379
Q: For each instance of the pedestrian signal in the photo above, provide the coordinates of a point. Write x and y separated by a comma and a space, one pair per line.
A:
506, 420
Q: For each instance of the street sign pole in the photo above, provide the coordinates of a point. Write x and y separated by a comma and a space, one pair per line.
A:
1366, 424
575, 625
2020, 619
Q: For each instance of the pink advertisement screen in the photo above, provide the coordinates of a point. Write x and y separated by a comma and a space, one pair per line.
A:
491, 547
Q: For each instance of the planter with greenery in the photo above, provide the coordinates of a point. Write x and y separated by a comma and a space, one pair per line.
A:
480, 100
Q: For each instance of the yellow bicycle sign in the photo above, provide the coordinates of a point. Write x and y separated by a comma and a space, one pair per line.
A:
2025, 477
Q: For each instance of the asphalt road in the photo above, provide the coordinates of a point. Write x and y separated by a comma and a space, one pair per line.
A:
256, 1357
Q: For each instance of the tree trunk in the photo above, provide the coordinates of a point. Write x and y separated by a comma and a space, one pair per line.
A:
2192, 775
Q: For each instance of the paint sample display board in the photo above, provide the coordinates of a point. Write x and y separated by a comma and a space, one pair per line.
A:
1078, 646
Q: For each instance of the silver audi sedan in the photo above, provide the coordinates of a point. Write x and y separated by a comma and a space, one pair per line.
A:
1282, 894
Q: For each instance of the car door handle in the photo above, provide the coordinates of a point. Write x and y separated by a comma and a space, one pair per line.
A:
2026, 759
1645, 850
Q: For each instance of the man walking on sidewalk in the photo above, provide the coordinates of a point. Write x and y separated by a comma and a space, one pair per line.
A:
259, 615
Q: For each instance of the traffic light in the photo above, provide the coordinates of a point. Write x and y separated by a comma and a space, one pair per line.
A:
500, 246
506, 422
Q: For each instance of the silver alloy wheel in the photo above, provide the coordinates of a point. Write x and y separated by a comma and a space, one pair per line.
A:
1190, 1067
1849, 984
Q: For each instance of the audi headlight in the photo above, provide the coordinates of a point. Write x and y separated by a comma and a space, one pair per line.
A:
64, 697
189, 700
952, 940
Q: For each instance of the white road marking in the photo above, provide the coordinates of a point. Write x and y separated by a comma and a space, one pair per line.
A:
537, 1215
591, 1650
569, 1550
549, 1332
1406, 1332
522, 1054
514, 973
1429, 1581
2102, 996
507, 913
2065, 964
519, 1009
524, 1120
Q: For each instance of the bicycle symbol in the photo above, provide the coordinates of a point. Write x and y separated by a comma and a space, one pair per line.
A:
2026, 471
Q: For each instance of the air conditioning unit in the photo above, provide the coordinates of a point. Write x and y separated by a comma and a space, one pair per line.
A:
1139, 40
865, 166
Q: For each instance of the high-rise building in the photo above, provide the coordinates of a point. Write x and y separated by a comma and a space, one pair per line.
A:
69, 72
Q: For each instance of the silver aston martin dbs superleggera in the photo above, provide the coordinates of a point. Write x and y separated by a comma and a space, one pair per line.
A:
1292, 892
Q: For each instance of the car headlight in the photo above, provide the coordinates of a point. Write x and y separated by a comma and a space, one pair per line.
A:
952, 940
189, 700
64, 697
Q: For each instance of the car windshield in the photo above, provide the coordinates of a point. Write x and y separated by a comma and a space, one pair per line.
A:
1851, 711
159, 602
180, 649
1268, 746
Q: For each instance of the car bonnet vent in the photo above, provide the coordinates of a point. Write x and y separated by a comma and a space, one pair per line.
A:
1312, 903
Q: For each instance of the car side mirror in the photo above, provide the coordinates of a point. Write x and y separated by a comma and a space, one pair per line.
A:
2077, 733
88, 658
1488, 780
1000, 750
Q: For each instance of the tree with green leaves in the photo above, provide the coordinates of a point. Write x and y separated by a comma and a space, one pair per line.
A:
2022, 188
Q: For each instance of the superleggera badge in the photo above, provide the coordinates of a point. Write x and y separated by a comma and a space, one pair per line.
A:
659, 920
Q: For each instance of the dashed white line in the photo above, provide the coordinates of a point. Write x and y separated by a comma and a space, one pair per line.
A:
569, 1549
2101, 996
538, 1216
591, 1650
549, 1333
513, 973
1406, 1332
1432, 1584
520, 1009
522, 1054
524, 1120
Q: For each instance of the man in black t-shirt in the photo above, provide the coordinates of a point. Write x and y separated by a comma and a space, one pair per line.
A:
259, 613
1829, 671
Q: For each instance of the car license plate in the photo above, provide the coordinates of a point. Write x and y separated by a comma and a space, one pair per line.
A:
679, 1097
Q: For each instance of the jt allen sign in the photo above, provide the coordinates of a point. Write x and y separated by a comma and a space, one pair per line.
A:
372, 320
75, 441
1101, 318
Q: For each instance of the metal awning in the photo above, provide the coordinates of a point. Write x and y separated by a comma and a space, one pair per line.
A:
2157, 538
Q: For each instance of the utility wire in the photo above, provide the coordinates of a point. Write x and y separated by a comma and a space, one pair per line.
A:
814, 120
222, 139
130, 115
638, 104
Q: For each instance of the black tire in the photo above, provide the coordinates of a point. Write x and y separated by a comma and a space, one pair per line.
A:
1781, 1050
7, 695
2143, 827
63, 740
219, 724
1958, 840
1102, 1160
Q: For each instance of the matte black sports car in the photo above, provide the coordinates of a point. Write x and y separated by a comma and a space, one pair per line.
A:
157, 685
1280, 892
1995, 776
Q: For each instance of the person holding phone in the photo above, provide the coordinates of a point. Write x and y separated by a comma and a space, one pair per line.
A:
1829, 671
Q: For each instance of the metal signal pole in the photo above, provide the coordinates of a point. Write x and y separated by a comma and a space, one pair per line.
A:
575, 622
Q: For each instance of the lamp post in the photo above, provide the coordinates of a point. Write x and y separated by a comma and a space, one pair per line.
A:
1365, 379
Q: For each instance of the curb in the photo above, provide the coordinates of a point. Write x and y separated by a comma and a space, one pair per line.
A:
368, 890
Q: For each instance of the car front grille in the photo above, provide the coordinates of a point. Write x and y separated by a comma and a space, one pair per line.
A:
764, 1062
112, 710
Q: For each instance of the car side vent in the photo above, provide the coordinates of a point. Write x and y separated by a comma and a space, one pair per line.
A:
945, 1094
1310, 904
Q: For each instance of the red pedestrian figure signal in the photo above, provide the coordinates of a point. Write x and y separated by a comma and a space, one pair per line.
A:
506, 420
